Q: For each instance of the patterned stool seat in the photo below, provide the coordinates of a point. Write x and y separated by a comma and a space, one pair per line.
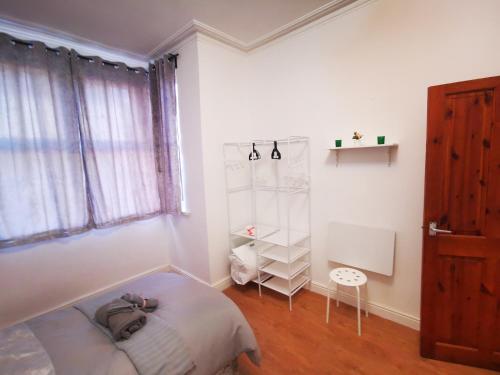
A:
348, 276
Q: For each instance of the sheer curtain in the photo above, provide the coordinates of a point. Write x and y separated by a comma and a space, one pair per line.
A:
117, 140
164, 99
42, 185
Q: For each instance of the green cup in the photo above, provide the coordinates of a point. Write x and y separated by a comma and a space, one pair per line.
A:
338, 143
381, 139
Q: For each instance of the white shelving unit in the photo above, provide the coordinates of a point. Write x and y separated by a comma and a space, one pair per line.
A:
281, 254
274, 235
287, 288
388, 147
268, 204
280, 269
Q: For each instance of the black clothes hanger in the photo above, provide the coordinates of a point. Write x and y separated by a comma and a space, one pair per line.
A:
275, 154
254, 155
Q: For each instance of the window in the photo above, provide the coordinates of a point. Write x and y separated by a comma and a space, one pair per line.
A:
42, 184
78, 145
184, 201
117, 139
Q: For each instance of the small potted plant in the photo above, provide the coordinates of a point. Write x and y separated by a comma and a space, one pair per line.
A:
357, 138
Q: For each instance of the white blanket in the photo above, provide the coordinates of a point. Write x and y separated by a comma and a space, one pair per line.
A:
243, 264
22, 354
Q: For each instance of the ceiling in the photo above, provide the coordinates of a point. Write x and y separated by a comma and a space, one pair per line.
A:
140, 27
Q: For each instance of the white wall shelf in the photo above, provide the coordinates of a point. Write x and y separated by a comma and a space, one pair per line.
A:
388, 147
272, 198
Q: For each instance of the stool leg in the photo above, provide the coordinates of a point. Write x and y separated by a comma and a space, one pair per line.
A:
337, 293
328, 302
359, 312
366, 300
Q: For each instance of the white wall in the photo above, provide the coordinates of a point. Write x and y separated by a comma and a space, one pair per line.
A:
189, 250
225, 112
367, 69
41, 277
212, 106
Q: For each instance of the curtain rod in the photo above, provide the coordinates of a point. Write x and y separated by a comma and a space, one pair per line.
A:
171, 57
90, 59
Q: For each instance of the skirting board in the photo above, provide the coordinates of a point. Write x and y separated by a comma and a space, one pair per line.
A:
374, 308
222, 284
186, 273
70, 302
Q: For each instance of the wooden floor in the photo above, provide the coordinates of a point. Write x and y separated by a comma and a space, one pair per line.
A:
300, 342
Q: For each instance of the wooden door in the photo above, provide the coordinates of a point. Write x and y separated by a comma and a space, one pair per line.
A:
460, 314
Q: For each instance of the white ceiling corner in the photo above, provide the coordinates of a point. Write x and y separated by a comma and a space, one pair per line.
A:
77, 25
192, 27
195, 26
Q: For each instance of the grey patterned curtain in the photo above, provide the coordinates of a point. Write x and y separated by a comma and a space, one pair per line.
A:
117, 140
42, 185
84, 143
164, 101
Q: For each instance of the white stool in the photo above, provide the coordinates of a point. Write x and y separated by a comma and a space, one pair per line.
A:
348, 277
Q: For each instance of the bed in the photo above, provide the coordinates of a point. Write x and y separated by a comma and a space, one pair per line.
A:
212, 327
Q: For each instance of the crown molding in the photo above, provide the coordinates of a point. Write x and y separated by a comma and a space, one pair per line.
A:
191, 28
331, 8
56, 38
